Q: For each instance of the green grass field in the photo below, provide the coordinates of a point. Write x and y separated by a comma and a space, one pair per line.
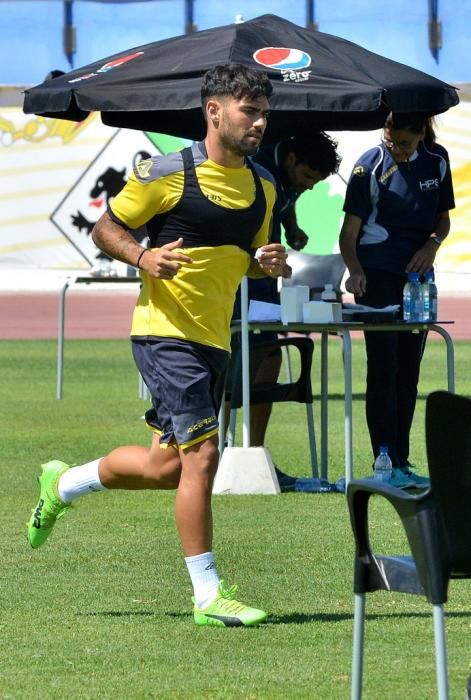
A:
104, 610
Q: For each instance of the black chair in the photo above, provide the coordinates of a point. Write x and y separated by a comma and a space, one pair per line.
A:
299, 390
437, 524
315, 271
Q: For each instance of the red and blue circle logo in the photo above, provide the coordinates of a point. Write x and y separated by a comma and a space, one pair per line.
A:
119, 62
282, 58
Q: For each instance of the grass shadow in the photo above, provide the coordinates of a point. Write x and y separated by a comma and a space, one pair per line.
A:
290, 619
119, 613
385, 616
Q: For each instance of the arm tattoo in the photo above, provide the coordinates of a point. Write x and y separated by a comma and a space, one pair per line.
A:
116, 241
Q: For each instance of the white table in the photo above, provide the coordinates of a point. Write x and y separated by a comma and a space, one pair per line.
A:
343, 330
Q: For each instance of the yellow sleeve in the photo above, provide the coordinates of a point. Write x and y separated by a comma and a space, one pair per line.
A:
138, 202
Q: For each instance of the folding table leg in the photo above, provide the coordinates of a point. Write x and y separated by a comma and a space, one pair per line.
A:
312, 442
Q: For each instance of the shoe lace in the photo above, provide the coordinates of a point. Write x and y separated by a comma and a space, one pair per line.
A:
407, 468
227, 593
229, 605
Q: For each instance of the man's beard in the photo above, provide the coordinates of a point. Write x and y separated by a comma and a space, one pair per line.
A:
239, 147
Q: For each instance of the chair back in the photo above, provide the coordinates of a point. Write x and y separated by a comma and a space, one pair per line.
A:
299, 390
448, 437
315, 271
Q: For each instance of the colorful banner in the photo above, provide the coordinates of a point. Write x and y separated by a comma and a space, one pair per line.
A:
57, 178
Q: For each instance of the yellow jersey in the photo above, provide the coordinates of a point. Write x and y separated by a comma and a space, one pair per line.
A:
222, 214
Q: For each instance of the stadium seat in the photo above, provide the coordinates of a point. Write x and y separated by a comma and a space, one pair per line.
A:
437, 524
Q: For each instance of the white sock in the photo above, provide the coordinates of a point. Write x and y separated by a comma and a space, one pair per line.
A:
79, 481
204, 578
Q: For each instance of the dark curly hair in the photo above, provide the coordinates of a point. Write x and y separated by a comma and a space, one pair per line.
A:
234, 80
317, 150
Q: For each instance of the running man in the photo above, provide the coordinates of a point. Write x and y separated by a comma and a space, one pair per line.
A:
208, 210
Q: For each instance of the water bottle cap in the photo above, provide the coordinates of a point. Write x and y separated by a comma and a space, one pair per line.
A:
328, 286
413, 276
429, 276
383, 450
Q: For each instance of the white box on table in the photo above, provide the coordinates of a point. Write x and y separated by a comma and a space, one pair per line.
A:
292, 300
322, 312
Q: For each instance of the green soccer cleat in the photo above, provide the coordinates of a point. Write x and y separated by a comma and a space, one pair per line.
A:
49, 507
224, 611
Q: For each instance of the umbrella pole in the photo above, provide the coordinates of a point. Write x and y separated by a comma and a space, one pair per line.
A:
246, 470
310, 15
70, 43
434, 30
190, 27
244, 333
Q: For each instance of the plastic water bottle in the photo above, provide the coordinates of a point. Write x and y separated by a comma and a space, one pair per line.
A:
429, 293
383, 465
328, 294
413, 298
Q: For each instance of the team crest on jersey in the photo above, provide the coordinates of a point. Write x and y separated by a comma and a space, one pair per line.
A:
359, 170
388, 173
143, 168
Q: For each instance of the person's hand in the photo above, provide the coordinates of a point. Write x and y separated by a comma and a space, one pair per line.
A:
423, 259
272, 259
356, 284
296, 238
287, 271
164, 262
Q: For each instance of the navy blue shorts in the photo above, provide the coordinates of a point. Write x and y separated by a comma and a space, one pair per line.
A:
186, 382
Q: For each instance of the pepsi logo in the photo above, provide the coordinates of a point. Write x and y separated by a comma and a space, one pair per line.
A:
119, 62
282, 58
108, 66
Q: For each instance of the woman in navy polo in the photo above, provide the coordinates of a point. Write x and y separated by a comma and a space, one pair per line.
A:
396, 216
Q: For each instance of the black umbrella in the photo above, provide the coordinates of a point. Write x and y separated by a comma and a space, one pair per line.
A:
320, 81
